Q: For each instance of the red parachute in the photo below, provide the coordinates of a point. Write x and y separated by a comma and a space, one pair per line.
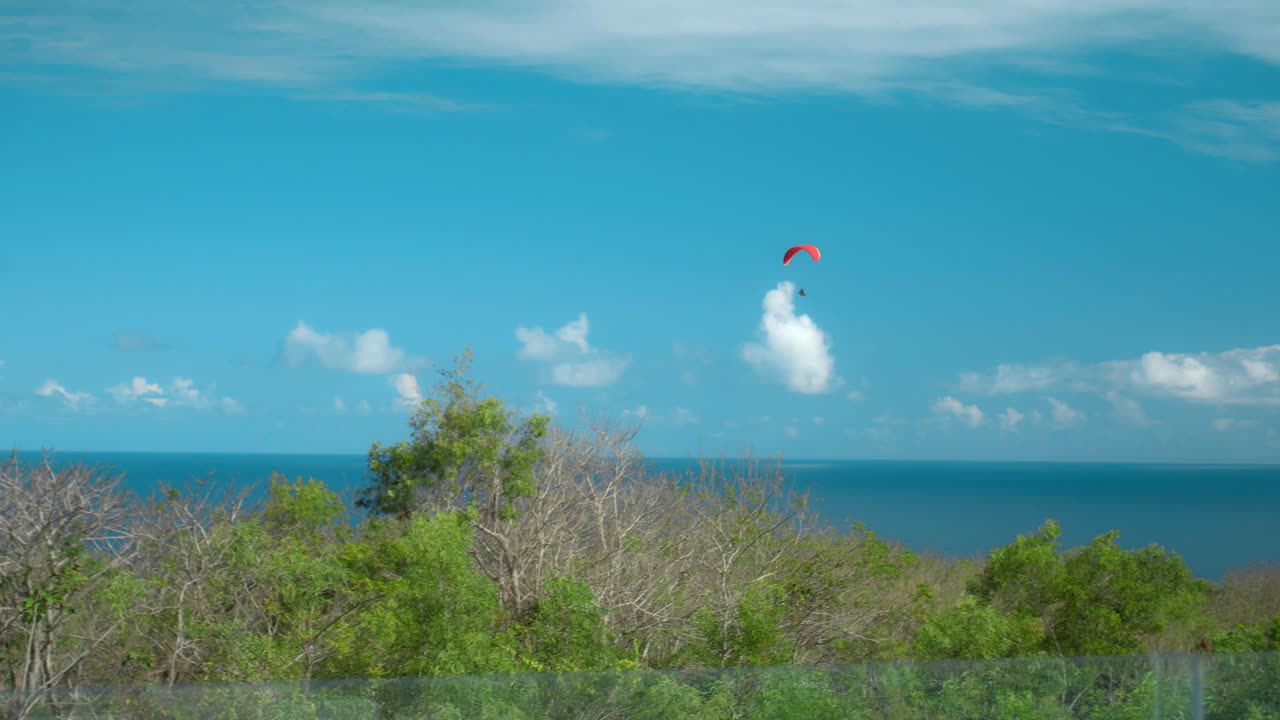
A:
811, 249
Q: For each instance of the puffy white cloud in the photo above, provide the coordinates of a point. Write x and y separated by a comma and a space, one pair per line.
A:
408, 394
971, 414
792, 432
574, 362
74, 400
854, 396
1010, 419
1241, 376
339, 405
819, 420
367, 353
793, 349
135, 389
1064, 415
364, 408
1244, 376
231, 407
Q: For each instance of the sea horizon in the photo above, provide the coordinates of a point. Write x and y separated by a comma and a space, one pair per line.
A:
769, 458
1217, 516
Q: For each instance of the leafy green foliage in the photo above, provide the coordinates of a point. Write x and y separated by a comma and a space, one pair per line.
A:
1096, 600
430, 586
464, 447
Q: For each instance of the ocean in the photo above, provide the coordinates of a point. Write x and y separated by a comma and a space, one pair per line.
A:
1217, 517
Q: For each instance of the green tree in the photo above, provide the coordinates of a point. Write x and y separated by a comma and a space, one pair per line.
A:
466, 451
1098, 599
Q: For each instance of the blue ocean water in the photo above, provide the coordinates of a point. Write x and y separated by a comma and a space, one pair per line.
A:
1217, 517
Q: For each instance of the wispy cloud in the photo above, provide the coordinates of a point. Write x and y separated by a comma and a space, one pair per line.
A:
1128, 410
574, 362
1226, 424
73, 400
1010, 419
407, 102
1246, 131
545, 405
1065, 416
325, 50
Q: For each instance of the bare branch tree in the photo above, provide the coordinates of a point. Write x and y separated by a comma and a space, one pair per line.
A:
64, 533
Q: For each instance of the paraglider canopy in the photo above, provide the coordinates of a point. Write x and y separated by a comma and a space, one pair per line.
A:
811, 249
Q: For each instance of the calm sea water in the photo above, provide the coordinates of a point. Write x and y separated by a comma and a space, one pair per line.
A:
1216, 516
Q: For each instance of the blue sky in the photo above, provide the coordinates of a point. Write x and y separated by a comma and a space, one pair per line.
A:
1048, 231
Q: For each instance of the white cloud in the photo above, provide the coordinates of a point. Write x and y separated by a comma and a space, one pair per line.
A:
339, 405
1011, 379
685, 416
865, 46
185, 392
1242, 376
545, 405
1010, 419
364, 408
792, 432
854, 396
1225, 424
231, 407
574, 363
74, 400
1064, 415
407, 392
948, 405
1245, 376
819, 420
1248, 131
794, 350
1128, 409
367, 353
182, 393
641, 412
688, 377
135, 389
320, 50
